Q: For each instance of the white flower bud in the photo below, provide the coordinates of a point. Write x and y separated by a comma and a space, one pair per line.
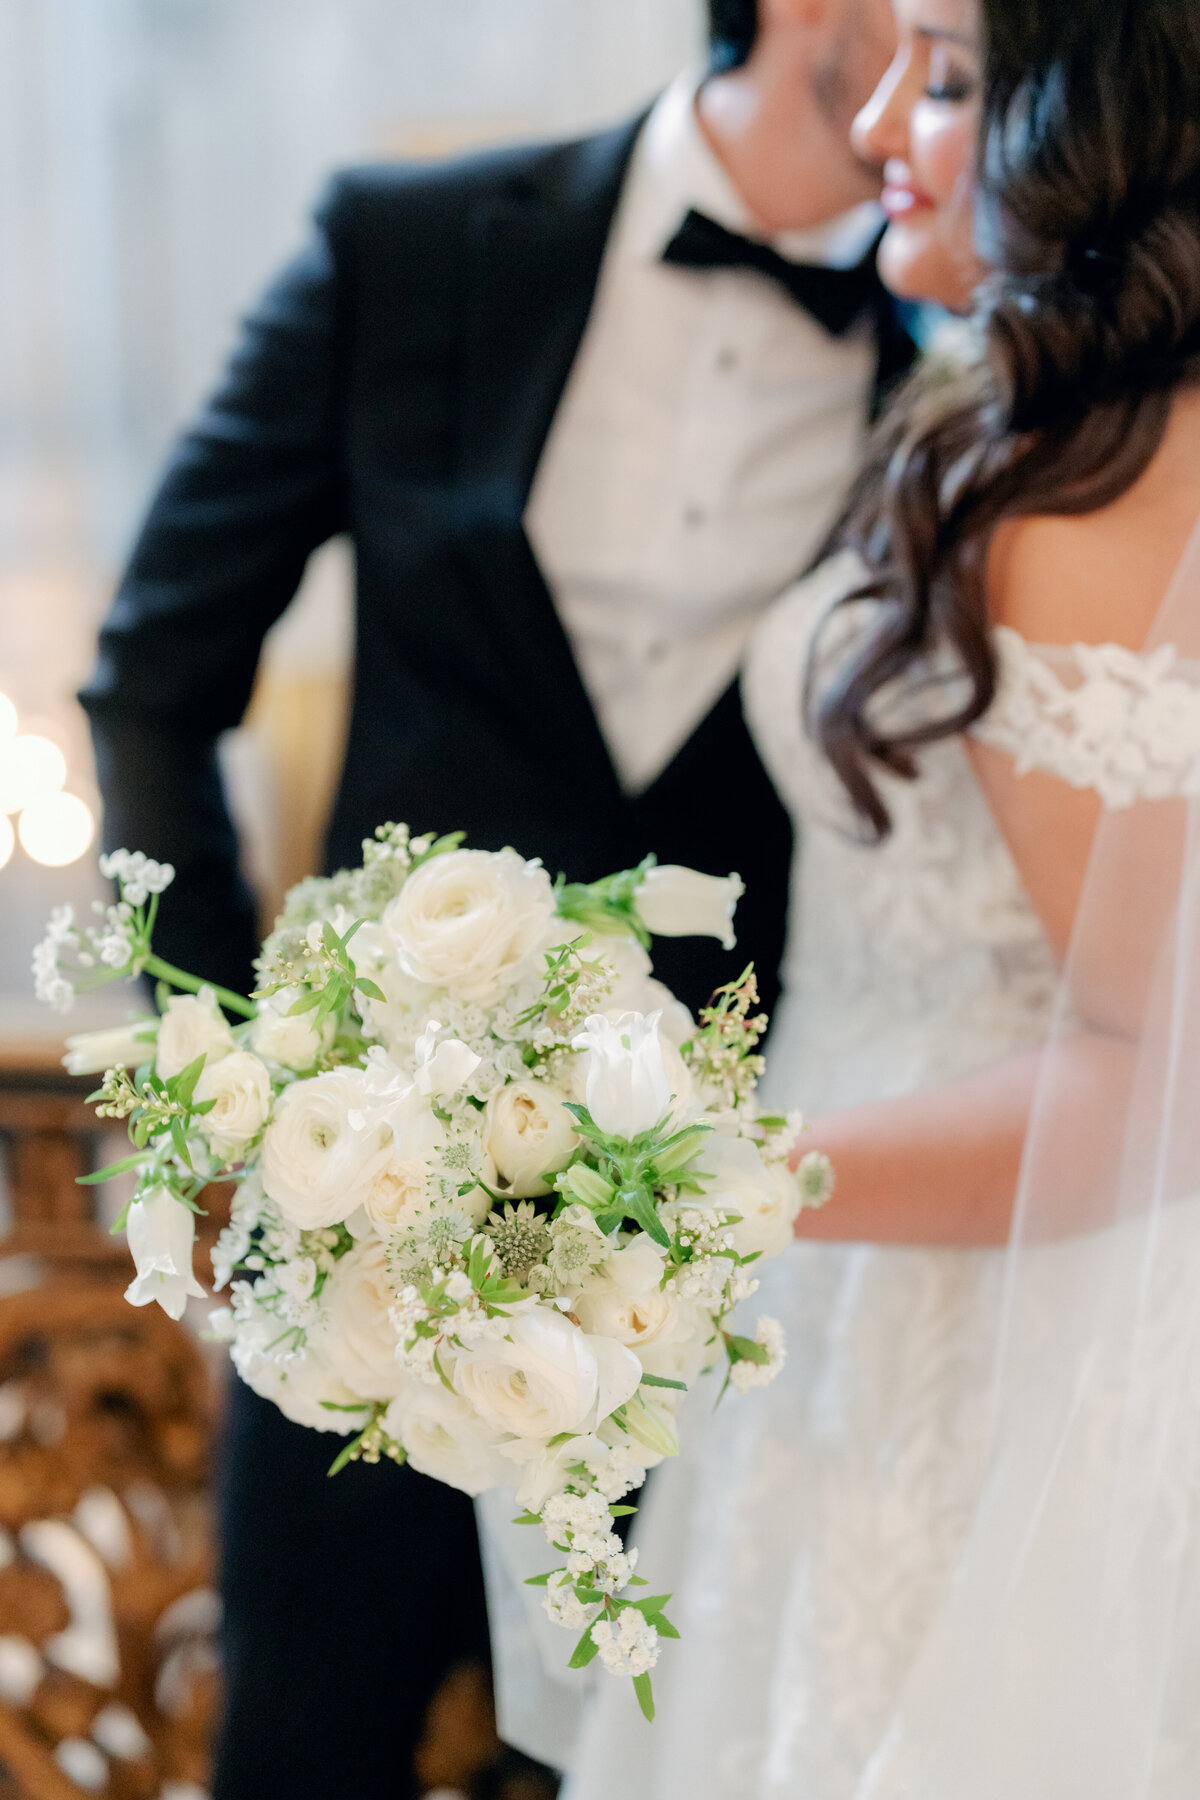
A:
161, 1233
678, 902
628, 1090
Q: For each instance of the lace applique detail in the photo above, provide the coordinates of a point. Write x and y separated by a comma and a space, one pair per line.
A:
1127, 725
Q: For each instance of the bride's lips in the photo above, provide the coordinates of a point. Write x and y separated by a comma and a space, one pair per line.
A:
901, 197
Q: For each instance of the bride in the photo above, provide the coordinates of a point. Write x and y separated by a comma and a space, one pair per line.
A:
954, 1552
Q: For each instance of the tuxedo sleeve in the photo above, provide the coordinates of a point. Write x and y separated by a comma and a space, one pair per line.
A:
251, 490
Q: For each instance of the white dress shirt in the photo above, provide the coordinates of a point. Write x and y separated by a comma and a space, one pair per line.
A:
707, 432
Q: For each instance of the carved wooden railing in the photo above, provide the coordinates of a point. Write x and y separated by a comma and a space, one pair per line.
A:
107, 1616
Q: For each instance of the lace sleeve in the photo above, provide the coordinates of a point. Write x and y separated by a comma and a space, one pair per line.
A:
1123, 723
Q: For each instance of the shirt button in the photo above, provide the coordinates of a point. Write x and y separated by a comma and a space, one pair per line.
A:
694, 515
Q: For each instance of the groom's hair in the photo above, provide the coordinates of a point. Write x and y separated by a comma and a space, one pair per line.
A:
732, 29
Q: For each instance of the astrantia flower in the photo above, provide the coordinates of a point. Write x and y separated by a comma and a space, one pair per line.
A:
519, 1235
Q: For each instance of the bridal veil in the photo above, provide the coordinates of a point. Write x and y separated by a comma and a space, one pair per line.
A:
1066, 1661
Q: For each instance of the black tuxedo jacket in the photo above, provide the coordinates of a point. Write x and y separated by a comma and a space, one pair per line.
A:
398, 383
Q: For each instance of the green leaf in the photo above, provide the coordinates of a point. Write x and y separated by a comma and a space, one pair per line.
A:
182, 1087
663, 1381
442, 1375
537, 1580
652, 1604
527, 1518
305, 1003
336, 1406
644, 1690
370, 988
623, 1512
744, 1349
118, 1168
585, 1651
663, 1626
179, 1139
639, 1206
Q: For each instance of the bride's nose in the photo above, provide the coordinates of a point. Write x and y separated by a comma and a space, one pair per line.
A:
880, 130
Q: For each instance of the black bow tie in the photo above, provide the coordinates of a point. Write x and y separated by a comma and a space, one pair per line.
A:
836, 298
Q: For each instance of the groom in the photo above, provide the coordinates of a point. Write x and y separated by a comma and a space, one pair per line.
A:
584, 409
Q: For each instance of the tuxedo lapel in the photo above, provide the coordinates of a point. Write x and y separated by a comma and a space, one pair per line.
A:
537, 247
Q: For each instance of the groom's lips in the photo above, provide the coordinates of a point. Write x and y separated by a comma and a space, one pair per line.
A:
901, 197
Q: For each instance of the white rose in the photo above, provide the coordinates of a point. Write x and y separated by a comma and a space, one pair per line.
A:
355, 1336
285, 1038
161, 1232
193, 1025
241, 1088
445, 1439
626, 1301
528, 1134
124, 1047
471, 921
323, 1149
768, 1199
677, 902
546, 1376
397, 1196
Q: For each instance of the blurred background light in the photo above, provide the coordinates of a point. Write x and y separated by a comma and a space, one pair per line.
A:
56, 830
8, 719
31, 768
8, 839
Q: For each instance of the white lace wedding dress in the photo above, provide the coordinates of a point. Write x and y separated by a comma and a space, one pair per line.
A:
808, 1531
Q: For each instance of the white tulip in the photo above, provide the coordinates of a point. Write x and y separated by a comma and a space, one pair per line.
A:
529, 1135
545, 1377
123, 1047
445, 1439
161, 1232
628, 1089
677, 902
193, 1025
471, 922
241, 1088
355, 1337
323, 1149
442, 1068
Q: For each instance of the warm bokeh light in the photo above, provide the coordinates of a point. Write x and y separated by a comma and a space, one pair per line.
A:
31, 769
8, 719
57, 829
8, 839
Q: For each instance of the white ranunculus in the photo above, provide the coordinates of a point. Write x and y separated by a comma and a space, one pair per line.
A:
625, 1301
323, 1148
627, 1086
768, 1199
241, 1088
397, 1018
397, 1196
676, 902
193, 1025
123, 1047
287, 1039
355, 1336
161, 1232
445, 1439
471, 921
546, 1376
302, 1387
528, 1134
442, 1068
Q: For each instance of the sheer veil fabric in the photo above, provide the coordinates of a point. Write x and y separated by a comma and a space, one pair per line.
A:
1065, 1664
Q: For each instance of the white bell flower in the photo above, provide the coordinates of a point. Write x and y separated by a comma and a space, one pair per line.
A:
628, 1089
161, 1232
676, 902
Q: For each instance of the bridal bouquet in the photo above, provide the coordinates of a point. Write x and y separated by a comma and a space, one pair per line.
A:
497, 1195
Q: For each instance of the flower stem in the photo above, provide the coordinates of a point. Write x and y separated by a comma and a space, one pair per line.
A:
191, 984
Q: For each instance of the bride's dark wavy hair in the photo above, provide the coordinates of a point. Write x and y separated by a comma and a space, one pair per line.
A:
1088, 212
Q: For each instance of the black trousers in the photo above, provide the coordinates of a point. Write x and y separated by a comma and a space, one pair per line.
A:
347, 1600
